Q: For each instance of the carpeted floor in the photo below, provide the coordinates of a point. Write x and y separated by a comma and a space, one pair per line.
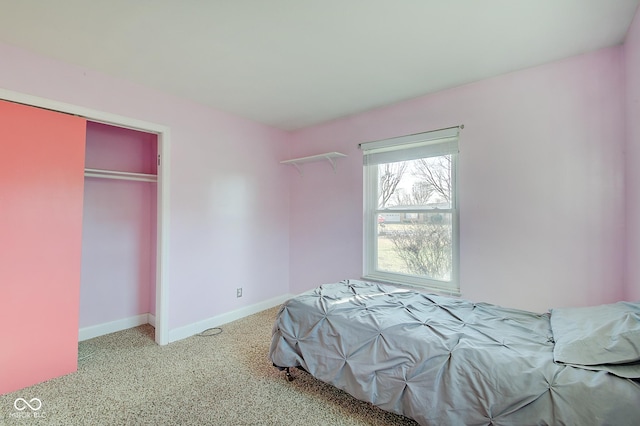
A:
124, 378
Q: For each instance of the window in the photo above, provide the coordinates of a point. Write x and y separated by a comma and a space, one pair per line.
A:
410, 211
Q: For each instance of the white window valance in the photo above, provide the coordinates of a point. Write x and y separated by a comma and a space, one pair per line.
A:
411, 147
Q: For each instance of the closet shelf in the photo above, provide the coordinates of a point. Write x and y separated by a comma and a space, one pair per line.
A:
329, 156
113, 174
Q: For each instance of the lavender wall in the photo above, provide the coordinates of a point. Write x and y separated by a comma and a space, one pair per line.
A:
118, 229
540, 185
632, 75
229, 214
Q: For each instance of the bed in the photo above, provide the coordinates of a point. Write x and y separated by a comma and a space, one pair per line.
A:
444, 360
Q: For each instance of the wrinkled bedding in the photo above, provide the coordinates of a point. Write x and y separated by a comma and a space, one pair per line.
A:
605, 337
443, 360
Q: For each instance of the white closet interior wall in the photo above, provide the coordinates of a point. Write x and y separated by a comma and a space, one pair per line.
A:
119, 226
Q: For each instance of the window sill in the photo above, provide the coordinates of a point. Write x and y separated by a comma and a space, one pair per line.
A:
412, 285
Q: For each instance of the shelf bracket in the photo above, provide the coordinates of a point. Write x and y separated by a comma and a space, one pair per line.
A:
333, 163
298, 168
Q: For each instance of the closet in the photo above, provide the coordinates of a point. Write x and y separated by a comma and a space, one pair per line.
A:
64, 223
117, 287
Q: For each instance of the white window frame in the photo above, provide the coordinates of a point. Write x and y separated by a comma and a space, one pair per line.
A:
421, 145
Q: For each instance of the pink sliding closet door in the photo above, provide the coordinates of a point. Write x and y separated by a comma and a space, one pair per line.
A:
41, 190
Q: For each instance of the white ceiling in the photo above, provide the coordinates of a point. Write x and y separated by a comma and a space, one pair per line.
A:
295, 63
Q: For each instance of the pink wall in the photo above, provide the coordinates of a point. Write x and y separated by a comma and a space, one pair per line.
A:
632, 75
540, 185
229, 212
118, 231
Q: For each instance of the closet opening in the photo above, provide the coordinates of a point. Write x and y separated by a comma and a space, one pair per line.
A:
119, 228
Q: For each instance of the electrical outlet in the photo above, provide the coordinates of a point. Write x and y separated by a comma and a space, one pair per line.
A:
239, 292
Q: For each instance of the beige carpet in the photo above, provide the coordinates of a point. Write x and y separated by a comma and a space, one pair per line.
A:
124, 378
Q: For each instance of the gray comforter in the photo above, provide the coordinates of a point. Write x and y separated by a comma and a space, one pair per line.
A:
443, 360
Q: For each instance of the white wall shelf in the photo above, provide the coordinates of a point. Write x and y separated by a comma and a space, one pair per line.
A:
113, 174
329, 156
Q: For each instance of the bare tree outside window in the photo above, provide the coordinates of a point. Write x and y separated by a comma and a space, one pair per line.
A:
390, 176
435, 172
421, 242
425, 249
421, 192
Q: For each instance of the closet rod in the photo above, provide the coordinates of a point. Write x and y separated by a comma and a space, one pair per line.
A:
113, 174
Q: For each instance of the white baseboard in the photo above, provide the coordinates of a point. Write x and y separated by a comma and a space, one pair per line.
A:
198, 327
180, 333
86, 333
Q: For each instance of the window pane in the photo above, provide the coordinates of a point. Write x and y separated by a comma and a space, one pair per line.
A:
418, 244
410, 212
423, 183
